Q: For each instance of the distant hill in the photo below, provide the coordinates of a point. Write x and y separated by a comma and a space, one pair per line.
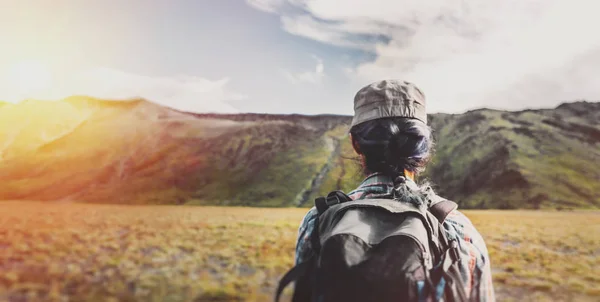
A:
532, 158
137, 152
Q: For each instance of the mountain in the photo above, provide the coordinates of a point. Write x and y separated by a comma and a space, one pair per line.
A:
137, 152
532, 158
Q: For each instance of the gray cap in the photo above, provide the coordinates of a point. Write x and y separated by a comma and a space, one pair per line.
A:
389, 98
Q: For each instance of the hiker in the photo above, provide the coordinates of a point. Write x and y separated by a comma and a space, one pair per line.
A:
349, 251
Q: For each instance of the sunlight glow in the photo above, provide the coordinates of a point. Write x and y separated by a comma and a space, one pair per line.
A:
28, 79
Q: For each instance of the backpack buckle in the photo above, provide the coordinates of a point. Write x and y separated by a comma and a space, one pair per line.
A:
336, 197
332, 200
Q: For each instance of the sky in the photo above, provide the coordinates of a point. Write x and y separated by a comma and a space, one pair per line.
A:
301, 56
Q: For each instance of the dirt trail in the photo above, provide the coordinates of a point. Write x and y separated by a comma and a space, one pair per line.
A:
342, 173
333, 144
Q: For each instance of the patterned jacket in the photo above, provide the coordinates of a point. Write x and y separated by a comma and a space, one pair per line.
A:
475, 263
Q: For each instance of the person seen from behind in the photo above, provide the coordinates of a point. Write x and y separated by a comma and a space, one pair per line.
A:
389, 133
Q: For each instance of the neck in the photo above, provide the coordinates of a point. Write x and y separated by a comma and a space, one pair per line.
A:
409, 174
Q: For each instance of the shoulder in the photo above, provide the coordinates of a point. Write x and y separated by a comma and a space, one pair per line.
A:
459, 226
308, 221
456, 220
475, 261
303, 247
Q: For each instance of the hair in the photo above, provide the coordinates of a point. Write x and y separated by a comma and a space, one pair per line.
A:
392, 145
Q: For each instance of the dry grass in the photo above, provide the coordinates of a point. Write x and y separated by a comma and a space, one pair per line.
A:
55, 252
543, 256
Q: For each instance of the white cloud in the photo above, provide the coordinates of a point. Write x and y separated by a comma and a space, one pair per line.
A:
185, 93
313, 77
269, 6
336, 33
465, 53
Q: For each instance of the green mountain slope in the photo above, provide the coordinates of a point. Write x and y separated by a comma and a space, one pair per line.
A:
136, 152
532, 158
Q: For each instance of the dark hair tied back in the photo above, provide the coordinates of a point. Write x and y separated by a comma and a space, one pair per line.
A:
394, 144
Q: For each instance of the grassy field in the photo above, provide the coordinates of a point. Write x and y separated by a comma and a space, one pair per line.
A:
77, 252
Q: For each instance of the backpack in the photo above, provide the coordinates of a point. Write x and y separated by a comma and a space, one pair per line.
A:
378, 250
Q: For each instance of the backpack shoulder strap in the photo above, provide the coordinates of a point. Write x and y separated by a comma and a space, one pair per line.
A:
296, 273
450, 255
333, 198
441, 209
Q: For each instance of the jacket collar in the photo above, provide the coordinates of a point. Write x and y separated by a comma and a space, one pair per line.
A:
379, 184
378, 179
